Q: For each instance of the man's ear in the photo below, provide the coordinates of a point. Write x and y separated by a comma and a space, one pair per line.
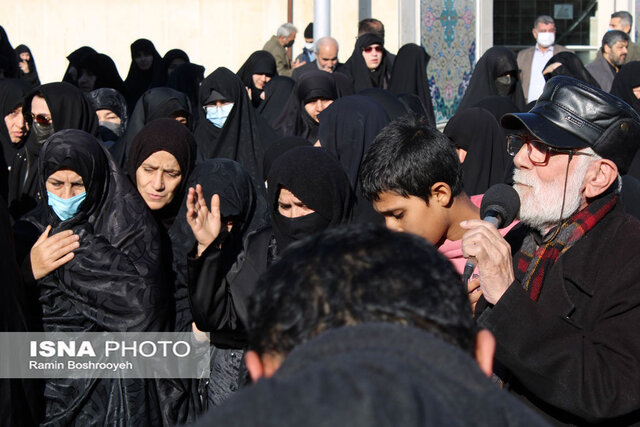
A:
261, 366
485, 349
441, 194
600, 178
535, 33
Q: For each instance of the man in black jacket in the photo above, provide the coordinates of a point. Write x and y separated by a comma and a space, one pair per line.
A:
564, 310
361, 327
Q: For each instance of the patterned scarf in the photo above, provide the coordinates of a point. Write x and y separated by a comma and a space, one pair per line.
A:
533, 261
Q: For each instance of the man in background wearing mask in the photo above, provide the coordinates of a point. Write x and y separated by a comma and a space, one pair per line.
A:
614, 52
308, 53
277, 46
531, 61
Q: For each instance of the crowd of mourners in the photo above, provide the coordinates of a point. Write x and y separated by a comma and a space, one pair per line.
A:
252, 206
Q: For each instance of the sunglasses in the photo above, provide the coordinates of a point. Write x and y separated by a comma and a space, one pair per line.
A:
40, 119
368, 49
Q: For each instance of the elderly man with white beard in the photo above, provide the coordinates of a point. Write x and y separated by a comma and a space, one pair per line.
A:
561, 292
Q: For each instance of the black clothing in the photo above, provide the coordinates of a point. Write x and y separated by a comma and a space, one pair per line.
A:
139, 81
313, 66
113, 283
172, 55
571, 66
279, 147
8, 57
156, 103
496, 62
347, 129
477, 131
386, 100
374, 374
244, 136
72, 73
103, 67
110, 99
12, 93
186, 78
259, 62
623, 83
498, 106
357, 69
294, 119
409, 75
69, 109
277, 92
31, 78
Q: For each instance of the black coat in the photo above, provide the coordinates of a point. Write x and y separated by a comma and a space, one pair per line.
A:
374, 374
575, 353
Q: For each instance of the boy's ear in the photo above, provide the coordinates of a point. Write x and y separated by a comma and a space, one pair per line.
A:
441, 194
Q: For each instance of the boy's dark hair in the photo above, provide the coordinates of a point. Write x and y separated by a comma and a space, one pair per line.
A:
407, 158
351, 275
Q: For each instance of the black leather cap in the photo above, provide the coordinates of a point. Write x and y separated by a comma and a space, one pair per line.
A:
572, 114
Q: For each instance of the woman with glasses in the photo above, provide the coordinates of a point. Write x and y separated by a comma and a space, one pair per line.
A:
47, 109
369, 64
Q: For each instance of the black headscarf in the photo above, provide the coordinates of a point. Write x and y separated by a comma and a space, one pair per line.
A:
259, 62
356, 66
172, 54
315, 177
625, 80
139, 81
31, 77
498, 106
103, 67
571, 66
239, 201
75, 58
12, 93
279, 147
409, 75
156, 103
8, 57
245, 134
174, 138
294, 120
496, 62
347, 129
477, 131
387, 100
186, 78
113, 283
110, 99
277, 92
414, 105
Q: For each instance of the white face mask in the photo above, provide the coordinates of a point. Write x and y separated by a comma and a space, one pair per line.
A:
309, 46
546, 39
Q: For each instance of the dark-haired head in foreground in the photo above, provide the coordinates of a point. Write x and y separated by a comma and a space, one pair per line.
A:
362, 324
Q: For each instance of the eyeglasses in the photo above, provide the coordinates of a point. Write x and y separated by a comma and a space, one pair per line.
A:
40, 119
368, 49
537, 150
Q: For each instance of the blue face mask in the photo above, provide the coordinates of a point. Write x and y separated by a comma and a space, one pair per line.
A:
65, 208
218, 115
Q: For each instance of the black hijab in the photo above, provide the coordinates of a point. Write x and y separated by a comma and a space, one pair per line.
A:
277, 92
315, 177
156, 103
12, 93
347, 129
173, 54
244, 136
103, 67
625, 80
356, 66
8, 57
279, 147
186, 78
31, 77
110, 99
498, 106
387, 100
173, 137
477, 131
571, 66
259, 62
75, 58
496, 62
409, 75
139, 81
294, 120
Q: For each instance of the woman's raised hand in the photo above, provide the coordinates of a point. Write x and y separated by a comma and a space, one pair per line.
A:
204, 224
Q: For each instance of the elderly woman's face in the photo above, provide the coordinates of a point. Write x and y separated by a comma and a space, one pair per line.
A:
158, 178
65, 183
105, 115
372, 56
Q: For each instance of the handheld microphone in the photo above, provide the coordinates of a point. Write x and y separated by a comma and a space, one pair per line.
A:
500, 206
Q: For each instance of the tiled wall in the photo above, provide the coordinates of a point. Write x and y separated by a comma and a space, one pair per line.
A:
448, 29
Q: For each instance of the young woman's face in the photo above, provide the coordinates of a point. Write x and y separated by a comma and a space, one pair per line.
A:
290, 206
316, 107
143, 60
